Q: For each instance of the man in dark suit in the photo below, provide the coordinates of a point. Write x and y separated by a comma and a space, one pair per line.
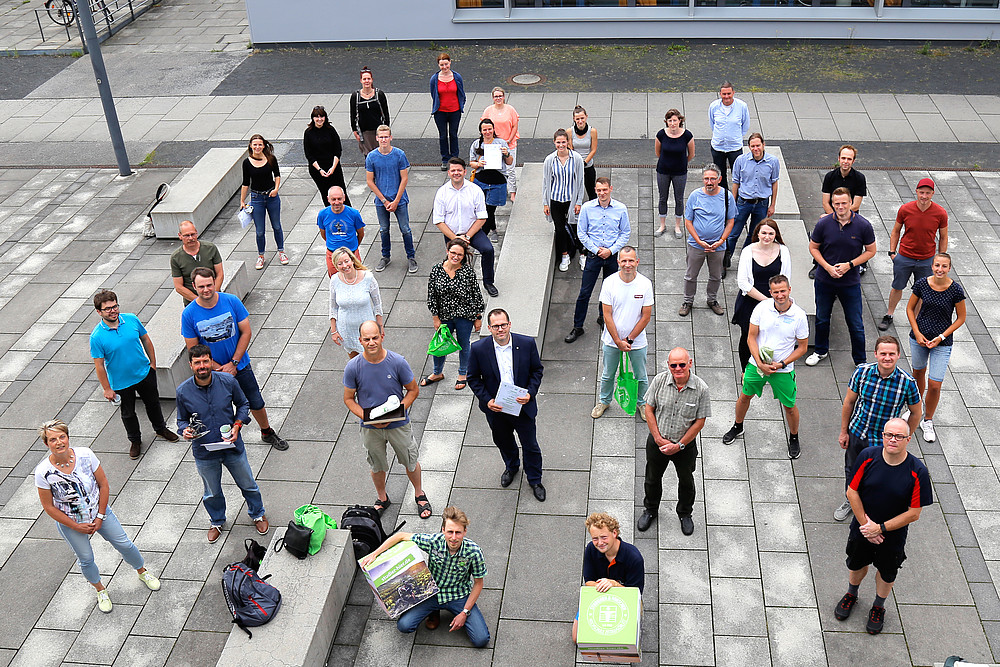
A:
512, 358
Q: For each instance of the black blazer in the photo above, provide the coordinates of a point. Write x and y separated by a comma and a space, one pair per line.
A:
484, 374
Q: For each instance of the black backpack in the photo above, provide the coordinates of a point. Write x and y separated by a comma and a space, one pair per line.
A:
366, 529
251, 600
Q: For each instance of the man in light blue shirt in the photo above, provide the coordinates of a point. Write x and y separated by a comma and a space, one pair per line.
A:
755, 186
709, 219
603, 228
729, 119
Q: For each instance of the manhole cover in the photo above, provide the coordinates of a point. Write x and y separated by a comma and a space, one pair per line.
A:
527, 79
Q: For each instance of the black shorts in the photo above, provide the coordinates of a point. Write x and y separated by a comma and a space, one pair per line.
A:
887, 557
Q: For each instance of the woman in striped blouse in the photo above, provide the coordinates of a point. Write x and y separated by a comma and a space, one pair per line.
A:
562, 195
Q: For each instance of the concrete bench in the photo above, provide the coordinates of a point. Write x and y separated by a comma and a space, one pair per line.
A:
201, 193
313, 594
164, 330
794, 233
526, 262
787, 206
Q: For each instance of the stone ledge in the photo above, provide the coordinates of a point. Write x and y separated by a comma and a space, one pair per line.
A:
787, 205
201, 192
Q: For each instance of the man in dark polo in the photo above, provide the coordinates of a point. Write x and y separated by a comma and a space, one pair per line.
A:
192, 254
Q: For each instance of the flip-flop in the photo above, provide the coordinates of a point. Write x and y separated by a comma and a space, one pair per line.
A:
427, 380
381, 505
460, 385
425, 507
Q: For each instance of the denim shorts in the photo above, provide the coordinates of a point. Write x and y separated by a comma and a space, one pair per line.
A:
248, 383
904, 267
935, 357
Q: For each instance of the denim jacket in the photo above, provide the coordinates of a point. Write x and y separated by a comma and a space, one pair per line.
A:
214, 404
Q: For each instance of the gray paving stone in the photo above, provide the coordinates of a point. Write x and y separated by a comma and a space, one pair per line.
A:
925, 625
732, 551
687, 642
382, 644
145, 651
70, 607
779, 527
567, 494
742, 651
197, 649
103, 635
738, 607
11, 532
166, 618
163, 527
787, 580
36, 561
43, 648
688, 579
795, 636
730, 502
526, 642
978, 486
560, 538
606, 475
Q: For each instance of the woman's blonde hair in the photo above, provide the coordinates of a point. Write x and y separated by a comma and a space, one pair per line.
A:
335, 257
52, 425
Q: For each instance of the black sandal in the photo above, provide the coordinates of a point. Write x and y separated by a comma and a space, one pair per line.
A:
381, 505
427, 380
425, 507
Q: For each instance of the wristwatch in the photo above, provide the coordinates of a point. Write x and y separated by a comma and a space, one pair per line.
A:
850, 262
681, 445
629, 341
466, 611
236, 362
892, 253
882, 528
784, 365
100, 516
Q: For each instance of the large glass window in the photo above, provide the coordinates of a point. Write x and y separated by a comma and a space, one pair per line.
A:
468, 4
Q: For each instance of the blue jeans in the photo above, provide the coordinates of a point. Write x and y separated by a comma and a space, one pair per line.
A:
487, 255
936, 358
210, 471
447, 125
112, 531
462, 328
612, 357
593, 268
262, 204
403, 220
475, 624
850, 301
755, 212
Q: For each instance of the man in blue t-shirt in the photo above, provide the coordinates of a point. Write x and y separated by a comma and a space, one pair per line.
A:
340, 226
220, 321
376, 377
709, 216
887, 488
388, 171
125, 360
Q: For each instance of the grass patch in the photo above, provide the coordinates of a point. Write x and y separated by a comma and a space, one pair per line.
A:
150, 156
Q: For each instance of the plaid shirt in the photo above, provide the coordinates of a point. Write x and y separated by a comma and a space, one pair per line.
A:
452, 574
676, 410
879, 400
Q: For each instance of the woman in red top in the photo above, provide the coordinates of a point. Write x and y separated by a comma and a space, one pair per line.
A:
447, 104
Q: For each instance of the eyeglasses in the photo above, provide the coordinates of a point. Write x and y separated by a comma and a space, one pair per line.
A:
680, 365
192, 235
500, 327
895, 436
110, 309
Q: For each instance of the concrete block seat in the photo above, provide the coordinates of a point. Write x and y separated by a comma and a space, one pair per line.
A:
787, 206
526, 261
313, 594
164, 330
201, 192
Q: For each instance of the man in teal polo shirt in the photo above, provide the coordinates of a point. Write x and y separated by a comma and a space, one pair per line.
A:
340, 226
125, 360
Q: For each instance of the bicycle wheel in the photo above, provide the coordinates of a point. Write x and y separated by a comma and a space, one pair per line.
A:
60, 11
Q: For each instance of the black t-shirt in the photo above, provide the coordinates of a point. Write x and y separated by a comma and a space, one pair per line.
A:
673, 158
854, 182
260, 179
627, 567
887, 491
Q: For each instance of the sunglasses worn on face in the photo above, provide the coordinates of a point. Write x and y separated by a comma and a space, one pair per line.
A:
682, 365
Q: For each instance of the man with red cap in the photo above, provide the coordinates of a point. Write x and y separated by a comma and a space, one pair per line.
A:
921, 231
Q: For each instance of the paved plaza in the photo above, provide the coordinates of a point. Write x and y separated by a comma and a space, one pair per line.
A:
757, 582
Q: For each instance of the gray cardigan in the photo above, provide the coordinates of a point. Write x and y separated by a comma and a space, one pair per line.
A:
578, 190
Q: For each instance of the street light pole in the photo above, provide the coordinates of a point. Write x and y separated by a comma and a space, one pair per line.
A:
107, 101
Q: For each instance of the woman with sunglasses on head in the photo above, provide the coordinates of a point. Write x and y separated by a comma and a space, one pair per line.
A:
505, 120
492, 181
323, 149
74, 491
261, 180
583, 140
369, 109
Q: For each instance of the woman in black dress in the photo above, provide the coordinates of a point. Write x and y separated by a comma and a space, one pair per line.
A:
323, 149
767, 256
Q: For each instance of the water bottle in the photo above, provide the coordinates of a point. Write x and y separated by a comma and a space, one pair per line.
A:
117, 400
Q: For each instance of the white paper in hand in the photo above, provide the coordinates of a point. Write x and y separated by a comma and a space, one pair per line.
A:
492, 156
507, 396
391, 404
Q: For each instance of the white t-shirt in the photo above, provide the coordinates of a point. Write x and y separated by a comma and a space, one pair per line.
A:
779, 331
627, 301
75, 494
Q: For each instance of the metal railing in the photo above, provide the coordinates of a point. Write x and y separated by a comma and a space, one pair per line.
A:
110, 16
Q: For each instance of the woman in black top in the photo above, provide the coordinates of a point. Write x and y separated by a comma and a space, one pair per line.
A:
454, 299
261, 179
492, 181
323, 149
369, 109
674, 149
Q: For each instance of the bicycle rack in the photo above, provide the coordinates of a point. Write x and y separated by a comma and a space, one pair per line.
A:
108, 17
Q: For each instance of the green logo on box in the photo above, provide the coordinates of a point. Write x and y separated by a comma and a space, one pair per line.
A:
607, 615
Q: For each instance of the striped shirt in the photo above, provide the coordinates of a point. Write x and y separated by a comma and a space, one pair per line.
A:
879, 400
453, 573
675, 409
563, 179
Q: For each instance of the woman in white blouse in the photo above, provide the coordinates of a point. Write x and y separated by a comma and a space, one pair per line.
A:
765, 257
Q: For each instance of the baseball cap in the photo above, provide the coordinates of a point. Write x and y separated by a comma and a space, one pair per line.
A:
926, 183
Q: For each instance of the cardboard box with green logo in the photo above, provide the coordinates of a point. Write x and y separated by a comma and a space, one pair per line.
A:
400, 578
610, 625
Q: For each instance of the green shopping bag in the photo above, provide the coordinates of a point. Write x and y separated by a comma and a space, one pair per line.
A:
443, 342
310, 516
626, 386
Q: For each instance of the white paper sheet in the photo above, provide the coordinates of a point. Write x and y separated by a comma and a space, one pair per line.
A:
507, 396
492, 156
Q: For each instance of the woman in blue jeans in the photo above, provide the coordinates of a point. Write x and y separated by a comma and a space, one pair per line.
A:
447, 105
261, 179
454, 299
74, 491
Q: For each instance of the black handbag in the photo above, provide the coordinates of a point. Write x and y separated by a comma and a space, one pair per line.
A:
295, 540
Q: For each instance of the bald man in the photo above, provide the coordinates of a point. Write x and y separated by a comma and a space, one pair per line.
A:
192, 254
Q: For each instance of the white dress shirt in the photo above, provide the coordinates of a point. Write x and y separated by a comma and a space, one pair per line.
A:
505, 360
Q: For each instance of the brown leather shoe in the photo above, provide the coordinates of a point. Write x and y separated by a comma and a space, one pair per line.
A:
262, 525
433, 621
135, 451
214, 533
168, 435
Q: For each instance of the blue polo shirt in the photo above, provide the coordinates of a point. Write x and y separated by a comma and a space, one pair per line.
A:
217, 327
125, 359
756, 178
627, 567
341, 228
842, 244
385, 169
708, 214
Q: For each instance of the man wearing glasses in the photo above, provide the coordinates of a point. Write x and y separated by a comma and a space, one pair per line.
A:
509, 360
677, 405
125, 360
887, 487
192, 254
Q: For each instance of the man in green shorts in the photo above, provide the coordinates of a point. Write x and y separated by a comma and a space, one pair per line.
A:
779, 334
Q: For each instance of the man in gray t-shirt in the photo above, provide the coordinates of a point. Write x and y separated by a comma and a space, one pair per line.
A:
191, 255
373, 377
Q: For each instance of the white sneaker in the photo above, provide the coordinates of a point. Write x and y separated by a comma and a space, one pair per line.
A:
103, 601
282, 257
583, 261
905, 414
815, 358
260, 262
842, 512
927, 427
564, 264
152, 583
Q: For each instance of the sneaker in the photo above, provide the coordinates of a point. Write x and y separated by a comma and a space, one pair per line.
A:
844, 607
927, 428
732, 434
411, 265
382, 263
905, 414
103, 601
794, 448
598, 410
260, 262
564, 264
876, 619
641, 411
716, 308
842, 512
282, 257
152, 583
812, 273
862, 268
274, 440
885, 323
684, 310
815, 358
444, 166
583, 261
494, 239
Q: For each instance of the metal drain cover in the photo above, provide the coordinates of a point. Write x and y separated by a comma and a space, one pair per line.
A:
526, 79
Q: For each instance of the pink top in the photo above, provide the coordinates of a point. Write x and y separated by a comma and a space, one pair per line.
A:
504, 123
448, 95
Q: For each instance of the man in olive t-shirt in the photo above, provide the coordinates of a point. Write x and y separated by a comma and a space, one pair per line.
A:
192, 254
